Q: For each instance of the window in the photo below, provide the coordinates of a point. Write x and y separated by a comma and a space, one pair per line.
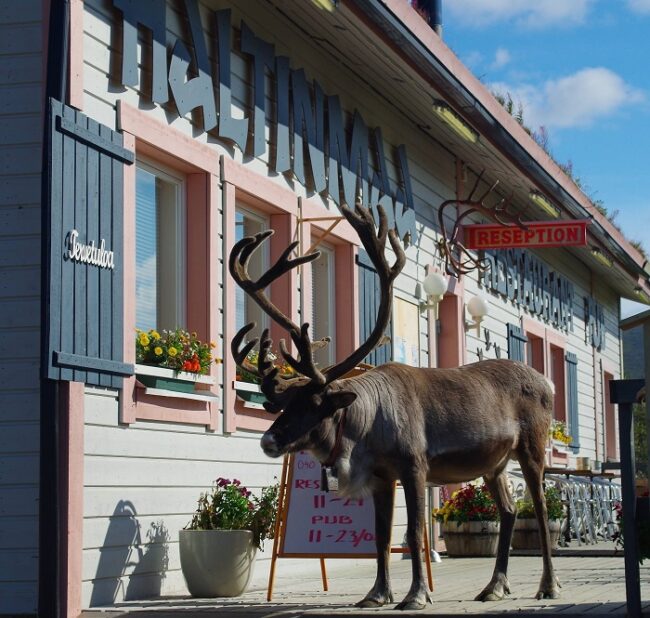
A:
556, 373
323, 323
611, 449
535, 352
160, 249
248, 223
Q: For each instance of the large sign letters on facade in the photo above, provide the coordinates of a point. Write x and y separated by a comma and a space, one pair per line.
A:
528, 282
310, 135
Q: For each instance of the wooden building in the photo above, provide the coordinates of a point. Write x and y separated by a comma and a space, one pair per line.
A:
184, 124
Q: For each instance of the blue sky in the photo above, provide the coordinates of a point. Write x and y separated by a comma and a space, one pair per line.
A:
580, 69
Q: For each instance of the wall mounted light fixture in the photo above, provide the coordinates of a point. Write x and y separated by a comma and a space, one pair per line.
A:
434, 286
641, 295
478, 308
602, 257
454, 121
543, 202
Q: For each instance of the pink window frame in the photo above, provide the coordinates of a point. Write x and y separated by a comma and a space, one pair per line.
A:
550, 339
287, 213
200, 165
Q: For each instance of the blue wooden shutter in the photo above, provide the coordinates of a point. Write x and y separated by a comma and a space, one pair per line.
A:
85, 325
572, 398
516, 343
369, 298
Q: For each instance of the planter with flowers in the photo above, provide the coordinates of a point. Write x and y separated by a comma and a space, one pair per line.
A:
172, 360
560, 439
247, 384
469, 522
526, 532
219, 545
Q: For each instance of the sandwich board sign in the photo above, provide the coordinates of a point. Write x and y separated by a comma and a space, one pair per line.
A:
313, 523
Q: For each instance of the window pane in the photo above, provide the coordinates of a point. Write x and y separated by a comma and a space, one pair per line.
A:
246, 309
323, 305
159, 251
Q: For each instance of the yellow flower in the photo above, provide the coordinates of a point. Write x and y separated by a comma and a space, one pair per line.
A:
144, 339
158, 351
172, 351
155, 334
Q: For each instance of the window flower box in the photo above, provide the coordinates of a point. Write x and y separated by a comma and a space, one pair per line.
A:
170, 380
250, 394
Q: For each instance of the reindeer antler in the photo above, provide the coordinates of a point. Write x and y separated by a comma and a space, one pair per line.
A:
465, 262
273, 385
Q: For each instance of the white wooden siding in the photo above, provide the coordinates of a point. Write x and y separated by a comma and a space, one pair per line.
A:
158, 469
21, 99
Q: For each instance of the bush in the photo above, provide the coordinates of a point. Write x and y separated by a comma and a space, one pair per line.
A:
231, 506
554, 506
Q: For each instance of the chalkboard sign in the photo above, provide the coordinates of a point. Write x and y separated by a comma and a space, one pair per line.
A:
322, 523
312, 523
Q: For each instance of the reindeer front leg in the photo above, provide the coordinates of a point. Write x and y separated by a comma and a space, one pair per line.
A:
499, 586
413, 481
381, 593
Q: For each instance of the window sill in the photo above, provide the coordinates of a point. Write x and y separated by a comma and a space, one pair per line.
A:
161, 392
250, 395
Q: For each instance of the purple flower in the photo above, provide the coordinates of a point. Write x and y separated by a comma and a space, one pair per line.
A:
222, 482
236, 482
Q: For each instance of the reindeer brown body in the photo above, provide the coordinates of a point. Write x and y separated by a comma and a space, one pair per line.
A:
407, 423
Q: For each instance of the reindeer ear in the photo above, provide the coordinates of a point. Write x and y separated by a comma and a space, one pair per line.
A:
341, 399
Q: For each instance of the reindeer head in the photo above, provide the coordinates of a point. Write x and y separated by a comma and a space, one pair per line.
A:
308, 400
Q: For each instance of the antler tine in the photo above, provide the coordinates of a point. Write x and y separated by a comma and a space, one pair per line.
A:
240, 355
238, 266
375, 244
305, 365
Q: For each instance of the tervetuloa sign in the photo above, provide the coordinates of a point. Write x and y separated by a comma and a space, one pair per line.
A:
89, 253
308, 132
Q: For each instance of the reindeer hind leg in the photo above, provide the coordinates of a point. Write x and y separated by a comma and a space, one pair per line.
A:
499, 587
532, 467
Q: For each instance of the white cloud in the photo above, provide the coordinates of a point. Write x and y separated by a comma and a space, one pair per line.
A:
501, 58
527, 13
639, 6
576, 100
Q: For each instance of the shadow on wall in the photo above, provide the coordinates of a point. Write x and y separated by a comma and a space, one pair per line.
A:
128, 568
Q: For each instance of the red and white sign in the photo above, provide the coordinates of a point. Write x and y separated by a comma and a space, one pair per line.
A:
537, 234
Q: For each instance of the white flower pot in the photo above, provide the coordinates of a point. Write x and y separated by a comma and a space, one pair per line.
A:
217, 563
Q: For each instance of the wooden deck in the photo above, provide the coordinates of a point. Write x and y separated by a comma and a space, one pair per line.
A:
591, 585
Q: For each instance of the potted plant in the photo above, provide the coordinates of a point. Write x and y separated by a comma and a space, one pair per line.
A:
219, 545
526, 531
172, 359
559, 435
247, 381
470, 522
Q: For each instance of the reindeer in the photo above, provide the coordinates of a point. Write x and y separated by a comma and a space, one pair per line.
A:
400, 422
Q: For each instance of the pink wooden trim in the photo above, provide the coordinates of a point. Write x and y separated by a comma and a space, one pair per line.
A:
127, 400
213, 293
171, 409
607, 367
170, 145
537, 329
409, 17
229, 370
71, 482
76, 55
347, 300
252, 420
451, 341
283, 289
263, 193
305, 273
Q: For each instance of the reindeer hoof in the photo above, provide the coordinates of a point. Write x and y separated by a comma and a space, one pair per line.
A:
375, 600
414, 603
494, 591
552, 593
